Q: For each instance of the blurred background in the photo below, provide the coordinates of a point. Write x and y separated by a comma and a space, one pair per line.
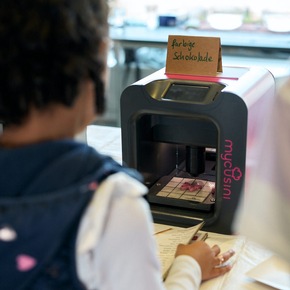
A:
253, 33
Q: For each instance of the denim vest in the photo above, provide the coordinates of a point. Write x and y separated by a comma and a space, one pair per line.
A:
38, 234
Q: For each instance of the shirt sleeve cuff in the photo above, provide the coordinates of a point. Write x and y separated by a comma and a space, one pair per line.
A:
185, 273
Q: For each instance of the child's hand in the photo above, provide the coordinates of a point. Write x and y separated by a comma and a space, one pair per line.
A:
211, 262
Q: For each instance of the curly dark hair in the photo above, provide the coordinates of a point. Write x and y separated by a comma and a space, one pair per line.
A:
47, 47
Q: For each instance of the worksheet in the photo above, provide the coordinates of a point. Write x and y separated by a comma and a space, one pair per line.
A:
168, 238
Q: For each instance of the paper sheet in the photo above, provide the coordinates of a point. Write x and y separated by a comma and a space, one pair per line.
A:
168, 238
273, 272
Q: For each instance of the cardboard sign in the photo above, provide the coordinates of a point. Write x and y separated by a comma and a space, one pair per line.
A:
192, 55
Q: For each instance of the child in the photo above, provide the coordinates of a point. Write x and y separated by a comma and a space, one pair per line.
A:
71, 218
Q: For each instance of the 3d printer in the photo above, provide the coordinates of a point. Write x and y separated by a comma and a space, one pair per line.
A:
189, 136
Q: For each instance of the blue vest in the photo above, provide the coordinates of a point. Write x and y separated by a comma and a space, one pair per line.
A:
38, 234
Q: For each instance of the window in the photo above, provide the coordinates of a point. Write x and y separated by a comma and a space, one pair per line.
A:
245, 15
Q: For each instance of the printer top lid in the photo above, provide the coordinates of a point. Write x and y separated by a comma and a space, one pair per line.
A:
228, 73
229, 76
237, 80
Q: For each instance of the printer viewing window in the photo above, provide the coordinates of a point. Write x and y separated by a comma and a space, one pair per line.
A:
202, 93
187, 93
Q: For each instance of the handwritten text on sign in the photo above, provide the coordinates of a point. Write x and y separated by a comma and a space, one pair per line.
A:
193, 55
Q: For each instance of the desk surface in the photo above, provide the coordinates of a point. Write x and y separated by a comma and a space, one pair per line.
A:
249, 39
239, 48
107, 140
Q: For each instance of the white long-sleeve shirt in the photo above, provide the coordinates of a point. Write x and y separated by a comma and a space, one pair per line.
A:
116, 248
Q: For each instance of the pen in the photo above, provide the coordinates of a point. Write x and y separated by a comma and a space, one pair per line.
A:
204, 237
200, 237
160, 232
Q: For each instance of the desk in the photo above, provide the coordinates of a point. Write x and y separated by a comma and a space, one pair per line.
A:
108, 140
143, 36
239, 48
